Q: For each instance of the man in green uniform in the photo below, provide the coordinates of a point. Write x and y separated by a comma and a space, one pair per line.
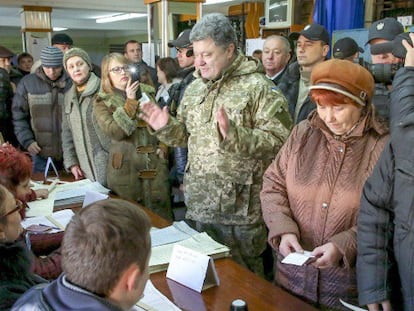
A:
234, 121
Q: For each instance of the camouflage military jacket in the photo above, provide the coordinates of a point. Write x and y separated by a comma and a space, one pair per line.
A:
223, 178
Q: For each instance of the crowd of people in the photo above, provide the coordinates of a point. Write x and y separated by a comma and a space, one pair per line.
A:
272, 151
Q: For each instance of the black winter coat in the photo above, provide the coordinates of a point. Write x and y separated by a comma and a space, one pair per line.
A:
15, 275
385, 264
289, 85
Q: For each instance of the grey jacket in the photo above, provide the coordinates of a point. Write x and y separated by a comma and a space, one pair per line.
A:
37, 112
84, 143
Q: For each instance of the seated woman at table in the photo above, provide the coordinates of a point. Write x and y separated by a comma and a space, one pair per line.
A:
15, 259
137, 167
15, 173
85, 146
311, 192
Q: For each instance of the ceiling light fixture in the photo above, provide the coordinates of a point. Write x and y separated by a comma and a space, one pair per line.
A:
59, 28
119, 17
209, 2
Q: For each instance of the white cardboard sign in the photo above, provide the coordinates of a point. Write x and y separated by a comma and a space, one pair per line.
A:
192, 269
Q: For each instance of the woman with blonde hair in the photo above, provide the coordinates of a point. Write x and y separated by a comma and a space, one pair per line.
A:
137, 166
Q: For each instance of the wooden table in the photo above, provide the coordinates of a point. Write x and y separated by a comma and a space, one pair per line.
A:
235, 282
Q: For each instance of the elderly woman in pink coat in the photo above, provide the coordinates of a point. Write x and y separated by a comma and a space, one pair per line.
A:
311, 192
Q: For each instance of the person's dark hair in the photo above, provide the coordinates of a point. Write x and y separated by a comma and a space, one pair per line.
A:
23, 55
217, 27
103, 240
131, 41
169, 66
15, 167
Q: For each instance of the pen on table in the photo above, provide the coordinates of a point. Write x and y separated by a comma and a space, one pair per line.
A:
55, 228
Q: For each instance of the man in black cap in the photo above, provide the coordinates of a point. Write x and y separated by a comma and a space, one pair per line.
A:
380, 32
347, 49
6, 97
185, 58
312, 47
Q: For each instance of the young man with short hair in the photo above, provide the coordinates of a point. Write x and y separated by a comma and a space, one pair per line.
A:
105, 255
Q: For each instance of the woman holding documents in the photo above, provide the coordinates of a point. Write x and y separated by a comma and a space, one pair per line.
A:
311, 192
137, 166
15, 173
15, 274
85, 146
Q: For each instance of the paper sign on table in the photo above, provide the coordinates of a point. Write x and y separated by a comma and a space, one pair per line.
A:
192, 269
297, 259
92, 197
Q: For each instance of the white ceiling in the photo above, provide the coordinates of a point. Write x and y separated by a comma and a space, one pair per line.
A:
79, 15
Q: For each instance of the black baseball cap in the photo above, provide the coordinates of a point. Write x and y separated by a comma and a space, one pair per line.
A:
182, 41
314, 32
395, 46
346, 47
62, 38
387, 28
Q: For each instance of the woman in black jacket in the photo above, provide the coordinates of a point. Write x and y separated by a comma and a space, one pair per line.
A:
15, 261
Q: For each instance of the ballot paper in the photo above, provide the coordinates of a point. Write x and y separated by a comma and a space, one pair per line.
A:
178, 231
200, 242
298, 259
154, 300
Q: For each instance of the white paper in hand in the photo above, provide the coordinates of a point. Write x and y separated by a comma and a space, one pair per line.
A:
297, 259
144, 99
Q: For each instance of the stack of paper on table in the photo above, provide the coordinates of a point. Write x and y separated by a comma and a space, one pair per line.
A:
58, 220
200, 242
65, 193
74, 192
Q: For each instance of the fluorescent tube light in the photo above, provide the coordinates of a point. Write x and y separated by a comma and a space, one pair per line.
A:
59, 28
119, 17
209, 2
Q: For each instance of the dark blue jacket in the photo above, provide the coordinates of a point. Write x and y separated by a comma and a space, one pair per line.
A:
62, 295
386, 221
289, 85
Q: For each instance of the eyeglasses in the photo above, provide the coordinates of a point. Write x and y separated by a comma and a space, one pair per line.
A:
19, 206
118, 69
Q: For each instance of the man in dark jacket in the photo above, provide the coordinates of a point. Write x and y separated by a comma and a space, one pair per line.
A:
386, 219
133, 52
380, 34
275, 57
105, 257
6, 97
185, 58
37, 109
312, 46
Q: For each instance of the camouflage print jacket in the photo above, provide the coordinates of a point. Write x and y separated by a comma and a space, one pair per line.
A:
223, 178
